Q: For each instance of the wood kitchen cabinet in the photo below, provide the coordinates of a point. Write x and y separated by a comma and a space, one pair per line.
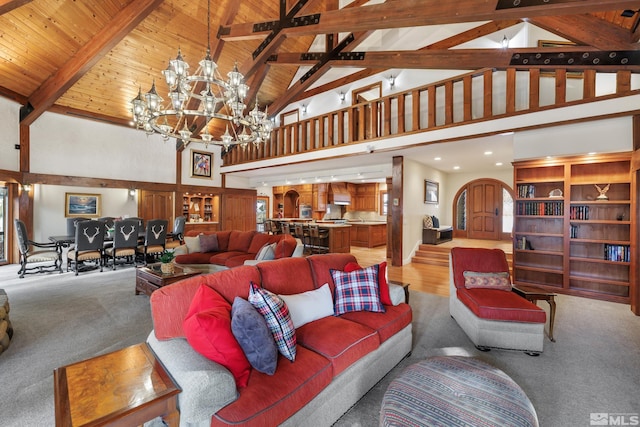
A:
365, 197
319, 197
369, 235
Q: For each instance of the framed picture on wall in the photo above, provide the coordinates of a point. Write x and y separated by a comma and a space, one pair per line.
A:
82, 205
431, 191
201, 164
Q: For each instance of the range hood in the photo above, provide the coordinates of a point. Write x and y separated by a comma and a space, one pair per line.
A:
338, 194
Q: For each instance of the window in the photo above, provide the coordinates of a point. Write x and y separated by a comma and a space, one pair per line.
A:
384, 203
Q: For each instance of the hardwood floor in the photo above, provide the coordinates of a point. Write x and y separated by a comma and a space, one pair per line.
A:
433, 279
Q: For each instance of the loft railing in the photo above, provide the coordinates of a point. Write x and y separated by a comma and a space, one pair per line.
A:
481, 95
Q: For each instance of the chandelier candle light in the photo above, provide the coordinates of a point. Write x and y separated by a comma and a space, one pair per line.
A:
220, 99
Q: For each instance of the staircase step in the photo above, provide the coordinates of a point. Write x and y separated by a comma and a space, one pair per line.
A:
439, 255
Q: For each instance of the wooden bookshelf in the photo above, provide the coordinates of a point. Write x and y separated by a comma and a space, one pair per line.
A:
565, 238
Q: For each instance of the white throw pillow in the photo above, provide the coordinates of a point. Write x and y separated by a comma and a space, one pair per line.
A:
193, 243
266, 253
309, 306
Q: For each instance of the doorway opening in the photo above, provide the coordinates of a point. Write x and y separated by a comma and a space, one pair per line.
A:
291, 204
483, 209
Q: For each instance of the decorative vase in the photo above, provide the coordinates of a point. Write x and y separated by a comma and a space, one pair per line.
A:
166, 267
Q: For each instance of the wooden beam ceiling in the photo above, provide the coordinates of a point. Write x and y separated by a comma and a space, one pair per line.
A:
414, 13
87, 56
8, 5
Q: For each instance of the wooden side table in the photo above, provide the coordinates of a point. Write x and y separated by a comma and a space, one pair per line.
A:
405, 287
534, 294
125, 387
150, 278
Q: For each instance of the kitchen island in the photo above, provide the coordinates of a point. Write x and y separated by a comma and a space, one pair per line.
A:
368, 234
339, 237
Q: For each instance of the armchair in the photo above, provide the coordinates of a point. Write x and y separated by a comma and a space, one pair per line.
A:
155, 239
32, 252
89, 244
489, 313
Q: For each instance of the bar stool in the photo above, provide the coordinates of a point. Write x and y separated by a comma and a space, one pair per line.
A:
285, 228
318, 237
302, 233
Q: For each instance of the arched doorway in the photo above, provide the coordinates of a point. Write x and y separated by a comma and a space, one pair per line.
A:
483, 209
291, 204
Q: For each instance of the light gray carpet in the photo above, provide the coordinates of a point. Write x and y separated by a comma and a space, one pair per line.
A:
58, 319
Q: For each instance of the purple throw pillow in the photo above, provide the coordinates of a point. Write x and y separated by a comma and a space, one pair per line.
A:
208, 243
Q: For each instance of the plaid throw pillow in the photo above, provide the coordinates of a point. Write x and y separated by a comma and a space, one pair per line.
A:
357, 290
276, 314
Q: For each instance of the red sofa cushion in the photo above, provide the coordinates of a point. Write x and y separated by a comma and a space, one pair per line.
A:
262, 404
223, 239
493, 304
341, 341
194, 258
385, 324
286, 276
285, 247
240, 240
261, 239
321, 264
237, 260
207, 328
221, 258
170, 304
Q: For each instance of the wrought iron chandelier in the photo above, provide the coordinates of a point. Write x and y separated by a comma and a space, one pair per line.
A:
218, 99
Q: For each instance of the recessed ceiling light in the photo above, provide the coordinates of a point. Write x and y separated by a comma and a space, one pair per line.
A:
488, 153
437, 159
592, 153
499, 164
456, 167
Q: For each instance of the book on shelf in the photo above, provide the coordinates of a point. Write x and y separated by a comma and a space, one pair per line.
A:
619, 253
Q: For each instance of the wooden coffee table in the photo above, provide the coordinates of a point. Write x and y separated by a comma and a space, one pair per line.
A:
534, 294
126, 387
150, 278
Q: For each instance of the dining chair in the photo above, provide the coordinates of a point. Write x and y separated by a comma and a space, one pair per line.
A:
176, 237
155, 237
47, 255
89, 245
125, 241
109, 221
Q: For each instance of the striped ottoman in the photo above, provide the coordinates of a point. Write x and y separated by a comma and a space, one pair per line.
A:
455, 391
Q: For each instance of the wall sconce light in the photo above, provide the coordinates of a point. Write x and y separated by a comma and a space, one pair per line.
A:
342, 96
505, 42
132, 193
26, 187
392, 81
304, 109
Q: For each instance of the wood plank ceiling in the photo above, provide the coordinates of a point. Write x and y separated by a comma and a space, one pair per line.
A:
89, 57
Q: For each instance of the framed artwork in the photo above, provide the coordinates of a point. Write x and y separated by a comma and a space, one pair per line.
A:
82, 205
201, 163
431, 191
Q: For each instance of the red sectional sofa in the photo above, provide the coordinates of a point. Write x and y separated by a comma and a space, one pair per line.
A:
233, 248
339, 358
492, 318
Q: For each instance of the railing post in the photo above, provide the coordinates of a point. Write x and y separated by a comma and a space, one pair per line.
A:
589, 84
448, 102
401, 113
488, 94
623, 81
431, 92
561, 86
387, 117
510, 94
534, 88
415, 110
467, 92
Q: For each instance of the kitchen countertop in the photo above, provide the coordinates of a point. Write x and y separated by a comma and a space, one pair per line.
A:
367, 222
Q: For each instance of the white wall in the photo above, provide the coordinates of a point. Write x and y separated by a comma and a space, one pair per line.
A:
414, 208
49, 207
9, 134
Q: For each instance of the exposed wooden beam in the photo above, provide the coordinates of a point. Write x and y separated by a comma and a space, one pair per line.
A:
8, 5
580, 29
87, 56
469, 59
463, 37
411, 13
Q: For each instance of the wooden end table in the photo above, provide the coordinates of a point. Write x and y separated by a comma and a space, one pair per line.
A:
405, 287
534, 294
150, 278
125, 387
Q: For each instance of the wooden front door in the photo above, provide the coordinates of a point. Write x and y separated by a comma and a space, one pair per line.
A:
484, 207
